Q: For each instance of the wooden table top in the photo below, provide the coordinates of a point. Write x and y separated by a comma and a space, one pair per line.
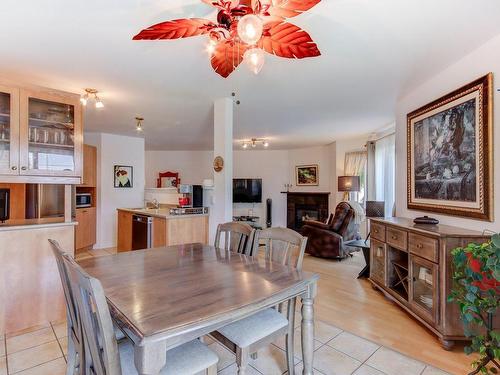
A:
162, 289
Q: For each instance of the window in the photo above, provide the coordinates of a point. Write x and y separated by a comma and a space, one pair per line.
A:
385, 169
355, 165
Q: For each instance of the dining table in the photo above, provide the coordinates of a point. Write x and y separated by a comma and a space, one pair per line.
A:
164, 297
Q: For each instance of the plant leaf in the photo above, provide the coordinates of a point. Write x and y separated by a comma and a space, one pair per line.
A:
284, 39
290, 8
495, 239
175, 29
227, 56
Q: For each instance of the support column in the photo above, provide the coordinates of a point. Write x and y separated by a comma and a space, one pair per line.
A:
222, 205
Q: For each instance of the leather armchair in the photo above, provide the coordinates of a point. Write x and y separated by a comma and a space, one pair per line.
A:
328, 240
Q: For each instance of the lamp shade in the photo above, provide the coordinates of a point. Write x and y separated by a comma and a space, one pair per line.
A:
348, 183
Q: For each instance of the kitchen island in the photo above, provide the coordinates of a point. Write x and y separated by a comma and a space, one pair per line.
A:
167, 229
30, 287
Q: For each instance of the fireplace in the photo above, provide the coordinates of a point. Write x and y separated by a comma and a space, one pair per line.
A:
306, 206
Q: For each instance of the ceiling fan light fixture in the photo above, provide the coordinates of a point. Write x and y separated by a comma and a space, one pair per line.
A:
84, 98
250, 29
99, 104
91, 94
255, 59
138, 126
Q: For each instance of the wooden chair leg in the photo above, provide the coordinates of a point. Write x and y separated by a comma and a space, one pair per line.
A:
212, 370
289, 353
242, 359
71, 366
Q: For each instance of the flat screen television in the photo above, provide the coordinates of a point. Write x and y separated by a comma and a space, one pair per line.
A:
247, 190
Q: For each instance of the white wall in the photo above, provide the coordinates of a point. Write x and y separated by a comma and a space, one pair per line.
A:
478, 63
115, 150
193, 165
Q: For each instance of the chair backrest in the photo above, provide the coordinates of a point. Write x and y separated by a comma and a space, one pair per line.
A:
102, 356
281, 245
344, 215
73, 317
238, 237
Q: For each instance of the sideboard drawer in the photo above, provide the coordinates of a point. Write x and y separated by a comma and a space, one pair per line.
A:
426, 247
396, 238
377, 231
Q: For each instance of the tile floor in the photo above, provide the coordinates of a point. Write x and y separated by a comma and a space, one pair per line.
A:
42, 350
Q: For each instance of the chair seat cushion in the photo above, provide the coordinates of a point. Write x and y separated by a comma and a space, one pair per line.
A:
186, 359
247, 331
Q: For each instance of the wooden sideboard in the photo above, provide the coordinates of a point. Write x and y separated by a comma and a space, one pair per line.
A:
412, 265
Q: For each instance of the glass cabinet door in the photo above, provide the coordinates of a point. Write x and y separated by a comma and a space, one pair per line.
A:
52, 136
424, 287
9, 131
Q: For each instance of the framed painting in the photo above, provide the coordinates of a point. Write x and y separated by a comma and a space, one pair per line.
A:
123, 176
307, 175
450, 163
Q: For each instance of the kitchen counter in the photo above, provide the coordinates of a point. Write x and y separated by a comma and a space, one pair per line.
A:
163, 213
166, 229
21, 224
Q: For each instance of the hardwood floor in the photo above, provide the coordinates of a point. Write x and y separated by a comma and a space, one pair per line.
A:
353, 305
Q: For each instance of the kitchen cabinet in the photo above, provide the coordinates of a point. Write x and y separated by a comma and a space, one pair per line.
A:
89, 175
85, 232
40, 136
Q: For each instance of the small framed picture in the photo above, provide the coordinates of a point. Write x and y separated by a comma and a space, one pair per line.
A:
123, 176
307, 175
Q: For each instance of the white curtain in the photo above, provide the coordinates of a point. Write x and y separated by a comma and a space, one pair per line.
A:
385, 169
355, 165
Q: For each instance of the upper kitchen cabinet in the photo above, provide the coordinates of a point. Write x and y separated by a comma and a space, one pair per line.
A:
43, 137
9, 131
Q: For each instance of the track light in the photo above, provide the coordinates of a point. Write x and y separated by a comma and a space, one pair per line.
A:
253, 142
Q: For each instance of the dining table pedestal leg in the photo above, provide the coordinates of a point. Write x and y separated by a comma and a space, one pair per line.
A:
308, 330
150, 358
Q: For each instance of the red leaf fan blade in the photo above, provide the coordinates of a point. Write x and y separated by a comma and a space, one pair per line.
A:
291, 8
284, 39
227, 56
175, 29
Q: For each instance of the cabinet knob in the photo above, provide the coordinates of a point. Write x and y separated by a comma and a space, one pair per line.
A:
419, 246
394, 237
24, 168
14, 168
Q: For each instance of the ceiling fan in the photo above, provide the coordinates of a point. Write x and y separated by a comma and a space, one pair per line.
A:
243, 31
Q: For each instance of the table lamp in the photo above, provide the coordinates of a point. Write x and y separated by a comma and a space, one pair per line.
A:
348, 184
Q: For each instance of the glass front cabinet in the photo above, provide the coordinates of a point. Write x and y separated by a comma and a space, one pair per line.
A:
424, 287
40, 136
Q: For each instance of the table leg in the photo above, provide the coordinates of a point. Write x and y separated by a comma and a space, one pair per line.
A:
308, 330
150, 358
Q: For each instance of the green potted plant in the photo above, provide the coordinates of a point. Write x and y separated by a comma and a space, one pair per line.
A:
476, 290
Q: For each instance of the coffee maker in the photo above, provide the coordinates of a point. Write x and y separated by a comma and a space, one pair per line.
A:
192, 196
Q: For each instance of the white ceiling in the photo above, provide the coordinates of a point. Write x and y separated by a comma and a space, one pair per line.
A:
373, 51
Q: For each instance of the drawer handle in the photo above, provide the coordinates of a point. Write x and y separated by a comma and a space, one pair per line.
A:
419, 246
24, 168
14, 168
394, 237
375, 230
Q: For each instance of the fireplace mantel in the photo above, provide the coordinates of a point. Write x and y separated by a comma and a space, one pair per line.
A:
306, 192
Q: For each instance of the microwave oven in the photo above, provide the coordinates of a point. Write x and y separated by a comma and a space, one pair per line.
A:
83, 200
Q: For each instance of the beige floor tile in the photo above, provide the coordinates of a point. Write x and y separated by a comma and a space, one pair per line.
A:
61, 329
394, 363
3, 366
55, 367
271, 360
297, 350
29, 340
353, 346
2, 345
233, 370
28, 330
64, 344
300, 367
332, 362
367, 370
324, 332
32, 357
226, 358
429, 370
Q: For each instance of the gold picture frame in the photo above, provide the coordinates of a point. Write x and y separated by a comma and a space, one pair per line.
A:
307, 175
450, 154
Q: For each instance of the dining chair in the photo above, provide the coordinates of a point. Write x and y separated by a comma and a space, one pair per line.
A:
103, 354
244, 337
237, 237
75, 354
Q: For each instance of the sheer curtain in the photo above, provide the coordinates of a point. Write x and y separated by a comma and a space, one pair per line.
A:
385, 169
355, 165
